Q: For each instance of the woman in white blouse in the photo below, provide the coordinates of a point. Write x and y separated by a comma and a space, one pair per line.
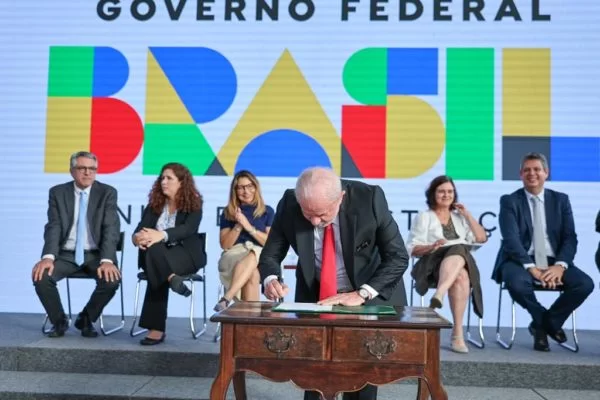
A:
441, 237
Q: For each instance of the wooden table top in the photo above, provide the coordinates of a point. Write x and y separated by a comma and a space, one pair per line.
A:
260, 313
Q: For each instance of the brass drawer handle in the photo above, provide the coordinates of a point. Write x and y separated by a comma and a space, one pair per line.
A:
379, 345
279, 342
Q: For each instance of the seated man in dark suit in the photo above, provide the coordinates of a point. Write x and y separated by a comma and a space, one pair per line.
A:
538, 248
81, 234
349, 247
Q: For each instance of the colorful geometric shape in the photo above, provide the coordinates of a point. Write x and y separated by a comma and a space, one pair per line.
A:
575, 159
67, 131
470, 114
117, 134
183, 143
110, 71
365, 76
363, 135
285, 101
515, 147
163, 105
204, 80
70, 71
412, 71
415, 137
282, 152
526, 107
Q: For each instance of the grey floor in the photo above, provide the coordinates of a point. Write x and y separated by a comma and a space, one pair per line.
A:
20, 333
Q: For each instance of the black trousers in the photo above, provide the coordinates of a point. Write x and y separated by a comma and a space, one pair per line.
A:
577, 286
64, 266
160, 262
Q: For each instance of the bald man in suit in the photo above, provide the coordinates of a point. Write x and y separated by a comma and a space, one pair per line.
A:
370, 257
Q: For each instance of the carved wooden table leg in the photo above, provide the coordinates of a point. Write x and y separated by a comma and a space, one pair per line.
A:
239, 385
422, 390
218, 390
432, 371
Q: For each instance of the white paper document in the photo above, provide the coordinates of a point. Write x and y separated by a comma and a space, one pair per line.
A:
307, 307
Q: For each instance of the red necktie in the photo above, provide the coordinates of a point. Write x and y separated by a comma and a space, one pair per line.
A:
328, 270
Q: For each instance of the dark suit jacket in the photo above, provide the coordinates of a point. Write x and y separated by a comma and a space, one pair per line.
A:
374, 252
102, 216
598, 251
516, 228
184, 233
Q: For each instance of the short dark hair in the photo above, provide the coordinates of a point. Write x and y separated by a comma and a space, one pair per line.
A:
534, 156
430, 192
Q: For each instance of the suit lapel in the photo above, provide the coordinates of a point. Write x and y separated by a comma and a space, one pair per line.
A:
69, 199
305, 242
526, 210
347, 227
93, 202
549, 208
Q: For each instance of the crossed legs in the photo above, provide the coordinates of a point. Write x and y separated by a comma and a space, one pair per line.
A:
454, 280
246, 279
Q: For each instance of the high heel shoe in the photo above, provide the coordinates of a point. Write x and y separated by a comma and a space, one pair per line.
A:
435, 302
222, 304
457, 345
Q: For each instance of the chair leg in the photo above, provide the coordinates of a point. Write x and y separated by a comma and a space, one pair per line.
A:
132, 332
412, 291
44, 329
121, 325
499, 338
575, 346
480, 344
195, 334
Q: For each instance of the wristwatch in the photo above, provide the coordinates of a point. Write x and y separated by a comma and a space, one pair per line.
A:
364, 293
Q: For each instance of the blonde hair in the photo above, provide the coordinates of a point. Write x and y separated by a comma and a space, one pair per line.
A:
234, 202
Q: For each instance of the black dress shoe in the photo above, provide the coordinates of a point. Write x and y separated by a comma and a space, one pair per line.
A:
558, 336
60, 328
151, 342
540, 340
86, 327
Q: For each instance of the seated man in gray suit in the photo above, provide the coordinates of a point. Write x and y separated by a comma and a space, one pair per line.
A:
81, 234
349, 248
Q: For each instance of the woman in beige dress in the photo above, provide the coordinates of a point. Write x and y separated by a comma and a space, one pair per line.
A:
245, 224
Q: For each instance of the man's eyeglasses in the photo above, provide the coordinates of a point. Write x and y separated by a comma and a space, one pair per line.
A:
249, 187
88, 169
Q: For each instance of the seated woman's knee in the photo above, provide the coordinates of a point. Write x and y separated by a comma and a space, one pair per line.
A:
463, 277
255, 277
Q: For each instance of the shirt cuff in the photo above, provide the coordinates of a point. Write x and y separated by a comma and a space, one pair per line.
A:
372, 292
562, 264
48, 257
166, 238
106, 260
529, 265
269, 279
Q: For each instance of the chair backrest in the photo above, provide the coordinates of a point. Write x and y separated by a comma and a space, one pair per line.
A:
202, 237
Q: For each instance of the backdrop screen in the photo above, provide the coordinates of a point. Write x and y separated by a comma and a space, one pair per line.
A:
393, 93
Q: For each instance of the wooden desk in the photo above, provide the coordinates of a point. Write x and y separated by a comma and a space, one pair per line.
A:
330, 353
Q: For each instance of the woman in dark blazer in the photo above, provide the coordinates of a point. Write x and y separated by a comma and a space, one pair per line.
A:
169, 245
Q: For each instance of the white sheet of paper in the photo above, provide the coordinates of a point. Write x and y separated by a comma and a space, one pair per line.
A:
313, 307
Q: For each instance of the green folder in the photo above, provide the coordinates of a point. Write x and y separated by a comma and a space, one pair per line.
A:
312, 308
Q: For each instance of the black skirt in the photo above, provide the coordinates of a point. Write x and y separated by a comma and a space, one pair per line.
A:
426, 272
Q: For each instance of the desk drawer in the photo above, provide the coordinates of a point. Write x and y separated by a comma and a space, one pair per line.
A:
395, 345
301, 343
